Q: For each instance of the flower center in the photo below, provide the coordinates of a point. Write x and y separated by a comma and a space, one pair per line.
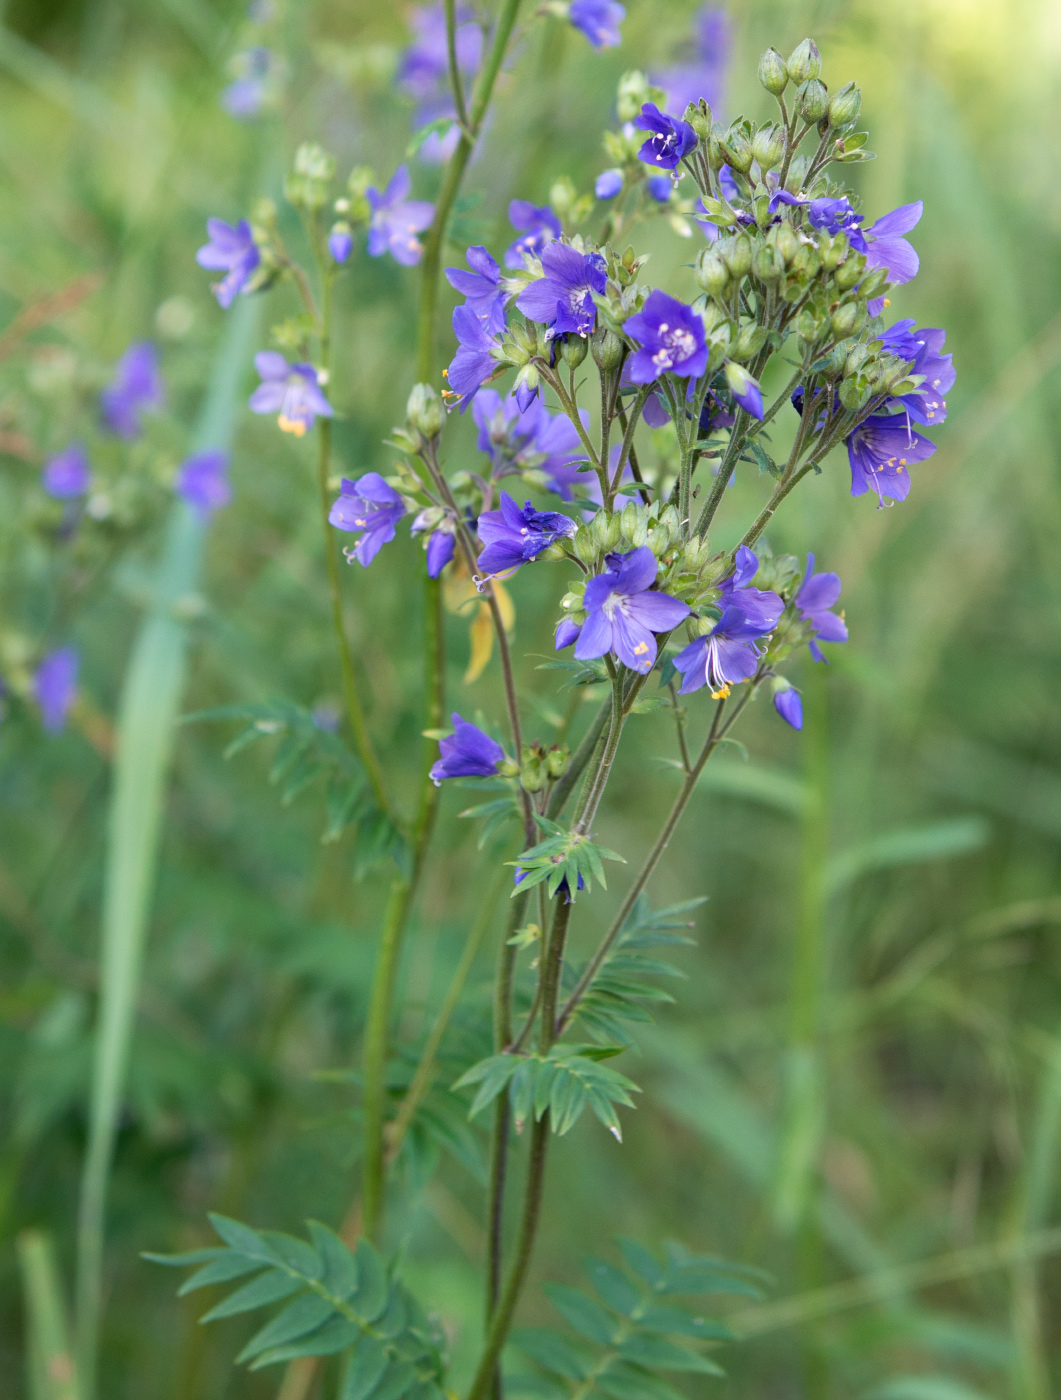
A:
676, 345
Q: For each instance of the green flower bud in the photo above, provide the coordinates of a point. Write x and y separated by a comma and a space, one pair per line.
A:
557, 761
608, 350
768, 264
873, 283
804, 62
584, 546
750, 341
738, 256
614, 533
424, 410
813, 99
698, 115
851, 271
574, 350
634, 91
598, 531
806, 260
532, 774
307, 185
768, 146
845, 319
784, 239
773, 72
833, 249
737, 148
716, 158
711, 274
845, 105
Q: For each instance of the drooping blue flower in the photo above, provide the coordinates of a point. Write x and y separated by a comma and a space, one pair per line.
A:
468, 753
880, 450
671, 139
481, 287
371, 506
537, 226
563, 299
202, 481
609, 183
136, 388
725, 657
705, 76
926, 404
474, 362
518, 439
623, 611
567, 631
423, 73
745, 389
761, 607
599, 20
814, 602
292, 392
67, 473
789, 706
396, 220
55, 687
440, 548
340, 243
672, 340
886, 247
513, 536
232, 250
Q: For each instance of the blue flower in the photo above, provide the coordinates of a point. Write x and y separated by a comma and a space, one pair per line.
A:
340, 243
137, 387
440, 548
926, 404
55, 687
789, 706
609, 183
246, 97
202, 481
67, 473
537, 225
513, 537
623, 611
884, 246
567, 631
706, 76
661, 187
725, 657
474, 362
369, 505
481, 287
671, 139
880, 450
290, 391
231, 250
518, 439
761, 607
745, 389
813, 602
672, 340
599, 20
469, 753
563, 299
396, 220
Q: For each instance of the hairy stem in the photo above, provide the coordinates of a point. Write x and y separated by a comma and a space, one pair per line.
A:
579, 759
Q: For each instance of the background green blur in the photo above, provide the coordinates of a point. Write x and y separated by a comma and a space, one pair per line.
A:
907, 843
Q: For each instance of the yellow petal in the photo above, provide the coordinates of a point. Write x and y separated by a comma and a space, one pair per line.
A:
481, 633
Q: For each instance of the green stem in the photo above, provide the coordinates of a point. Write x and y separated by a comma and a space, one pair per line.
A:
455, 83
579, 759
600, 777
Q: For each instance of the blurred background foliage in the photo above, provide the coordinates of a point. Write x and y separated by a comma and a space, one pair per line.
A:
881, 933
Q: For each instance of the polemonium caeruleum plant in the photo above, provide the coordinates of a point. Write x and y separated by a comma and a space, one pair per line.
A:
789, 287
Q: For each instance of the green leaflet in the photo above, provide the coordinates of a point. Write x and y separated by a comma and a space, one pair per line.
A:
566, 1081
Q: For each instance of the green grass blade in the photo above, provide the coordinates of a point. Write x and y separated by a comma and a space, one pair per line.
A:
52, 1374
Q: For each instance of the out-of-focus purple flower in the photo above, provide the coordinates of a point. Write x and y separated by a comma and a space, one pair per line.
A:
623, 611
473, 364
926, 404
396, 220
563, 299
468, 753
440, 547
599, 20
886, 247
567, 631
55, 686
536, 224
789, 706
371, 506
340, 243
513, 536
290, 391
661, 187
533, 438
745, 389
232, 250
672, 340
706, 76
481, 287
202, 481
609, 184
814, 602
423, 73
248, 94
880, 450
67, 473
761, 607
671, 139
326, 716
136, 387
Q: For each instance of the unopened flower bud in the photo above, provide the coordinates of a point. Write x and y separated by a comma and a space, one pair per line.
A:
737, 148
738, 256
804, 62
574, 350
340, 241
806, 260
614, 533
698, 116
634, 91
608, 350
716, 157
768, 264
585, 547
833, 249
813, 98
850, 271
773, 72
424, 410
810, 325
785, 241
845, 105
845, 319
711, 274
768, 146
307, 185
557, 761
